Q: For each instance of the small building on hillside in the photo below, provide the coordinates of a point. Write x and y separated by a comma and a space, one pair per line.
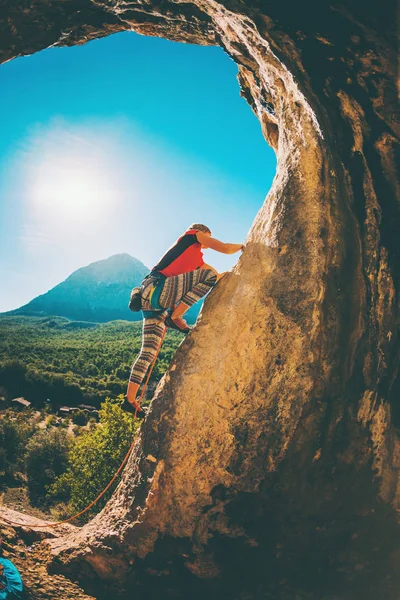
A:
21, 403
87, 407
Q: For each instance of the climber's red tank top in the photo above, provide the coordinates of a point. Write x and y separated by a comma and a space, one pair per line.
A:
183, 256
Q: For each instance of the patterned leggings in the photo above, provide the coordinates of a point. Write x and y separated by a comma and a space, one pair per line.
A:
187, 288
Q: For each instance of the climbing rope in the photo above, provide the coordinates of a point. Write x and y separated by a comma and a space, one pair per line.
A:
127, 455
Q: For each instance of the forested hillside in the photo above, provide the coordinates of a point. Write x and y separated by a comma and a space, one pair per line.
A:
68, 362
71, 361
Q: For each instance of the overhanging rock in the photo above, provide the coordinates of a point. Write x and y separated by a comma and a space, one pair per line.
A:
277, 461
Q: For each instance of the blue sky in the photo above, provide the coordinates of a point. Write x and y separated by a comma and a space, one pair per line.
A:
117, 146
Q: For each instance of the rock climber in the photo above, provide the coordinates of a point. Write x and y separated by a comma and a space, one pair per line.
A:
11, 587
175, 283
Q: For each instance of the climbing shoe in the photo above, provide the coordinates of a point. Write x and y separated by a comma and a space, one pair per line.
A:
173, 325
133, 409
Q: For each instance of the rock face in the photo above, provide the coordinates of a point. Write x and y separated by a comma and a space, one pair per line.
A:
276, 454
21, 546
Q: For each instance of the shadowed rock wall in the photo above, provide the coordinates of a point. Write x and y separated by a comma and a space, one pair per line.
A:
268, 466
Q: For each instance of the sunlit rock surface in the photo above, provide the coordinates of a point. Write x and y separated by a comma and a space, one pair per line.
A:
274, 433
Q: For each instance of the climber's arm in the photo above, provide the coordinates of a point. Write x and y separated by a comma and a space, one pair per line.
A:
214, 244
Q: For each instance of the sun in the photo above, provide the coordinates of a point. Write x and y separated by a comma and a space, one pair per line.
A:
71, 187
71, 174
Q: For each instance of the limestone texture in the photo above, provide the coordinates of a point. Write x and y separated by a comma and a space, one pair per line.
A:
274, 433
21, 545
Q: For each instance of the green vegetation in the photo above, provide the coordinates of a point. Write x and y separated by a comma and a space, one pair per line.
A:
15, 433
65, 462
94, 458
71, 361
46, 459
63, 469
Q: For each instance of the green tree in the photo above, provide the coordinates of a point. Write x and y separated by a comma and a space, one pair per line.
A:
80, 417
15, 434
46, 459
94, 458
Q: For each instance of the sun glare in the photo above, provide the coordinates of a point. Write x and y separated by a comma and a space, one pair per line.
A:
71, 176
70, 190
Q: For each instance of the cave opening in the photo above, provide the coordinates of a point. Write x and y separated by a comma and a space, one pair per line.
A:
295, 456
115, 132
37, 149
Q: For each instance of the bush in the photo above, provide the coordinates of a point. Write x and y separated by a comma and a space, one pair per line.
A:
50, 421
94, 458
92, 423
15, 434
80, 417
123, 372
91, 370
46, 459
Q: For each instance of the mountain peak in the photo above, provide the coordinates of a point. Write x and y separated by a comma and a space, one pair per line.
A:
114, 269
97, 292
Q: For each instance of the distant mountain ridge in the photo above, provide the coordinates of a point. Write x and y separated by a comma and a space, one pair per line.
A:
96, 293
